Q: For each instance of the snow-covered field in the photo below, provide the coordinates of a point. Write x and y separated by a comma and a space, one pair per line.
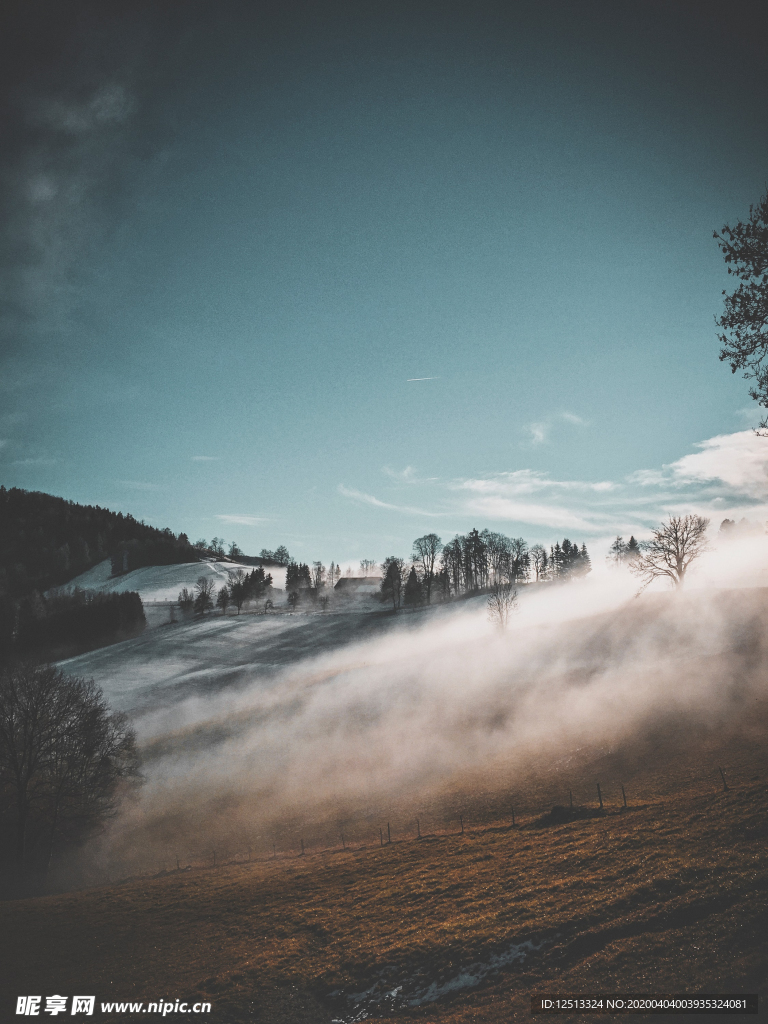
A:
182, 660
164, 582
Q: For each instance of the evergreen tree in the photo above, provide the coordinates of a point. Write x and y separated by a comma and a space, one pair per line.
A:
452, 559
412, 596
238, 588
617, 552
392, 583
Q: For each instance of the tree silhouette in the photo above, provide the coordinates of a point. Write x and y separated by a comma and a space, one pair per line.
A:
62, 758
744, 322
670, 552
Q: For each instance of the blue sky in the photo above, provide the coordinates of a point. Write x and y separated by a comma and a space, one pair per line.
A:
233, 234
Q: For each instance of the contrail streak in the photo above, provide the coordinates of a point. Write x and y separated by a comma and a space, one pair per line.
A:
421, 378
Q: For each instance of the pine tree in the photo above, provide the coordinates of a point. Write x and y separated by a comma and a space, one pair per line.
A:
412, 596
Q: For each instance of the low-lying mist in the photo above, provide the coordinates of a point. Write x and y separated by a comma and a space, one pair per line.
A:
445, 701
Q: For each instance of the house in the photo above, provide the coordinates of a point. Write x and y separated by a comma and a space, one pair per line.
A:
358, 587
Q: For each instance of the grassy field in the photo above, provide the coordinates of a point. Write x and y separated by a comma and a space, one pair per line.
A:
668, 895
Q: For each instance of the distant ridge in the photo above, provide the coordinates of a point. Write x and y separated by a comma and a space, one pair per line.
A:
46, 541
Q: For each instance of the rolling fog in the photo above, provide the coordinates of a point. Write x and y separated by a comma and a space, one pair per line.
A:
259, 730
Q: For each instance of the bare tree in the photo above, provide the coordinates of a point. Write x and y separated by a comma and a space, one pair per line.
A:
217, 546
318, 575
538, 561
502, 601
223, 599
204, 589
367, 567
425, 552
62, 756
672, 548
498, 549
519, 562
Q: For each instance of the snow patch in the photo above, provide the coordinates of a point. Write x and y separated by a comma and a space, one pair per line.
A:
391, 993
163, 582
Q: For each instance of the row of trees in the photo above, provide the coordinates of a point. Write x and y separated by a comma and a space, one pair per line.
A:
473, 562
64, 624
242, 587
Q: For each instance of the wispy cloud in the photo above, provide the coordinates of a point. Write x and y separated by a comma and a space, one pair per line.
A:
750, 414
110, 103
369, 499
205, 458
537, 432
496, 507
242, 520
571, 417
527, 481
34, 462
407, 475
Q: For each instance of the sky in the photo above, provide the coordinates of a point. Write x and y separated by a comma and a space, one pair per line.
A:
338, 275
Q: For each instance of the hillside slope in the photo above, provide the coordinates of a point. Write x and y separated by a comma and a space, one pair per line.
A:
164, 582
665, 897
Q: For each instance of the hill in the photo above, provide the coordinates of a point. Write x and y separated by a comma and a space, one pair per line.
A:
164, 582
375, 815
46, 541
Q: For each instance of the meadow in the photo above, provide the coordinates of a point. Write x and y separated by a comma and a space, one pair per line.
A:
667, 895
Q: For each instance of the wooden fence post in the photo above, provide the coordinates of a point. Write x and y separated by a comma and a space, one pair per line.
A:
418, 829
599, 796
623, 795
381, 839
389, 834
461, 819
722, 776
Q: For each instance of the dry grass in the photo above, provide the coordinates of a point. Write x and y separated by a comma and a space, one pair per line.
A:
667, 896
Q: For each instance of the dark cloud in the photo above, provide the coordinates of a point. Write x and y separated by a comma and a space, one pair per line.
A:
77, 119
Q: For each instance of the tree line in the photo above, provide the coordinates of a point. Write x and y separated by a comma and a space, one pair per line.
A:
474, 562
45, 541
242, 587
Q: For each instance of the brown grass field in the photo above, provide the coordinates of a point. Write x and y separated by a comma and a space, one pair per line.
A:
667, 896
